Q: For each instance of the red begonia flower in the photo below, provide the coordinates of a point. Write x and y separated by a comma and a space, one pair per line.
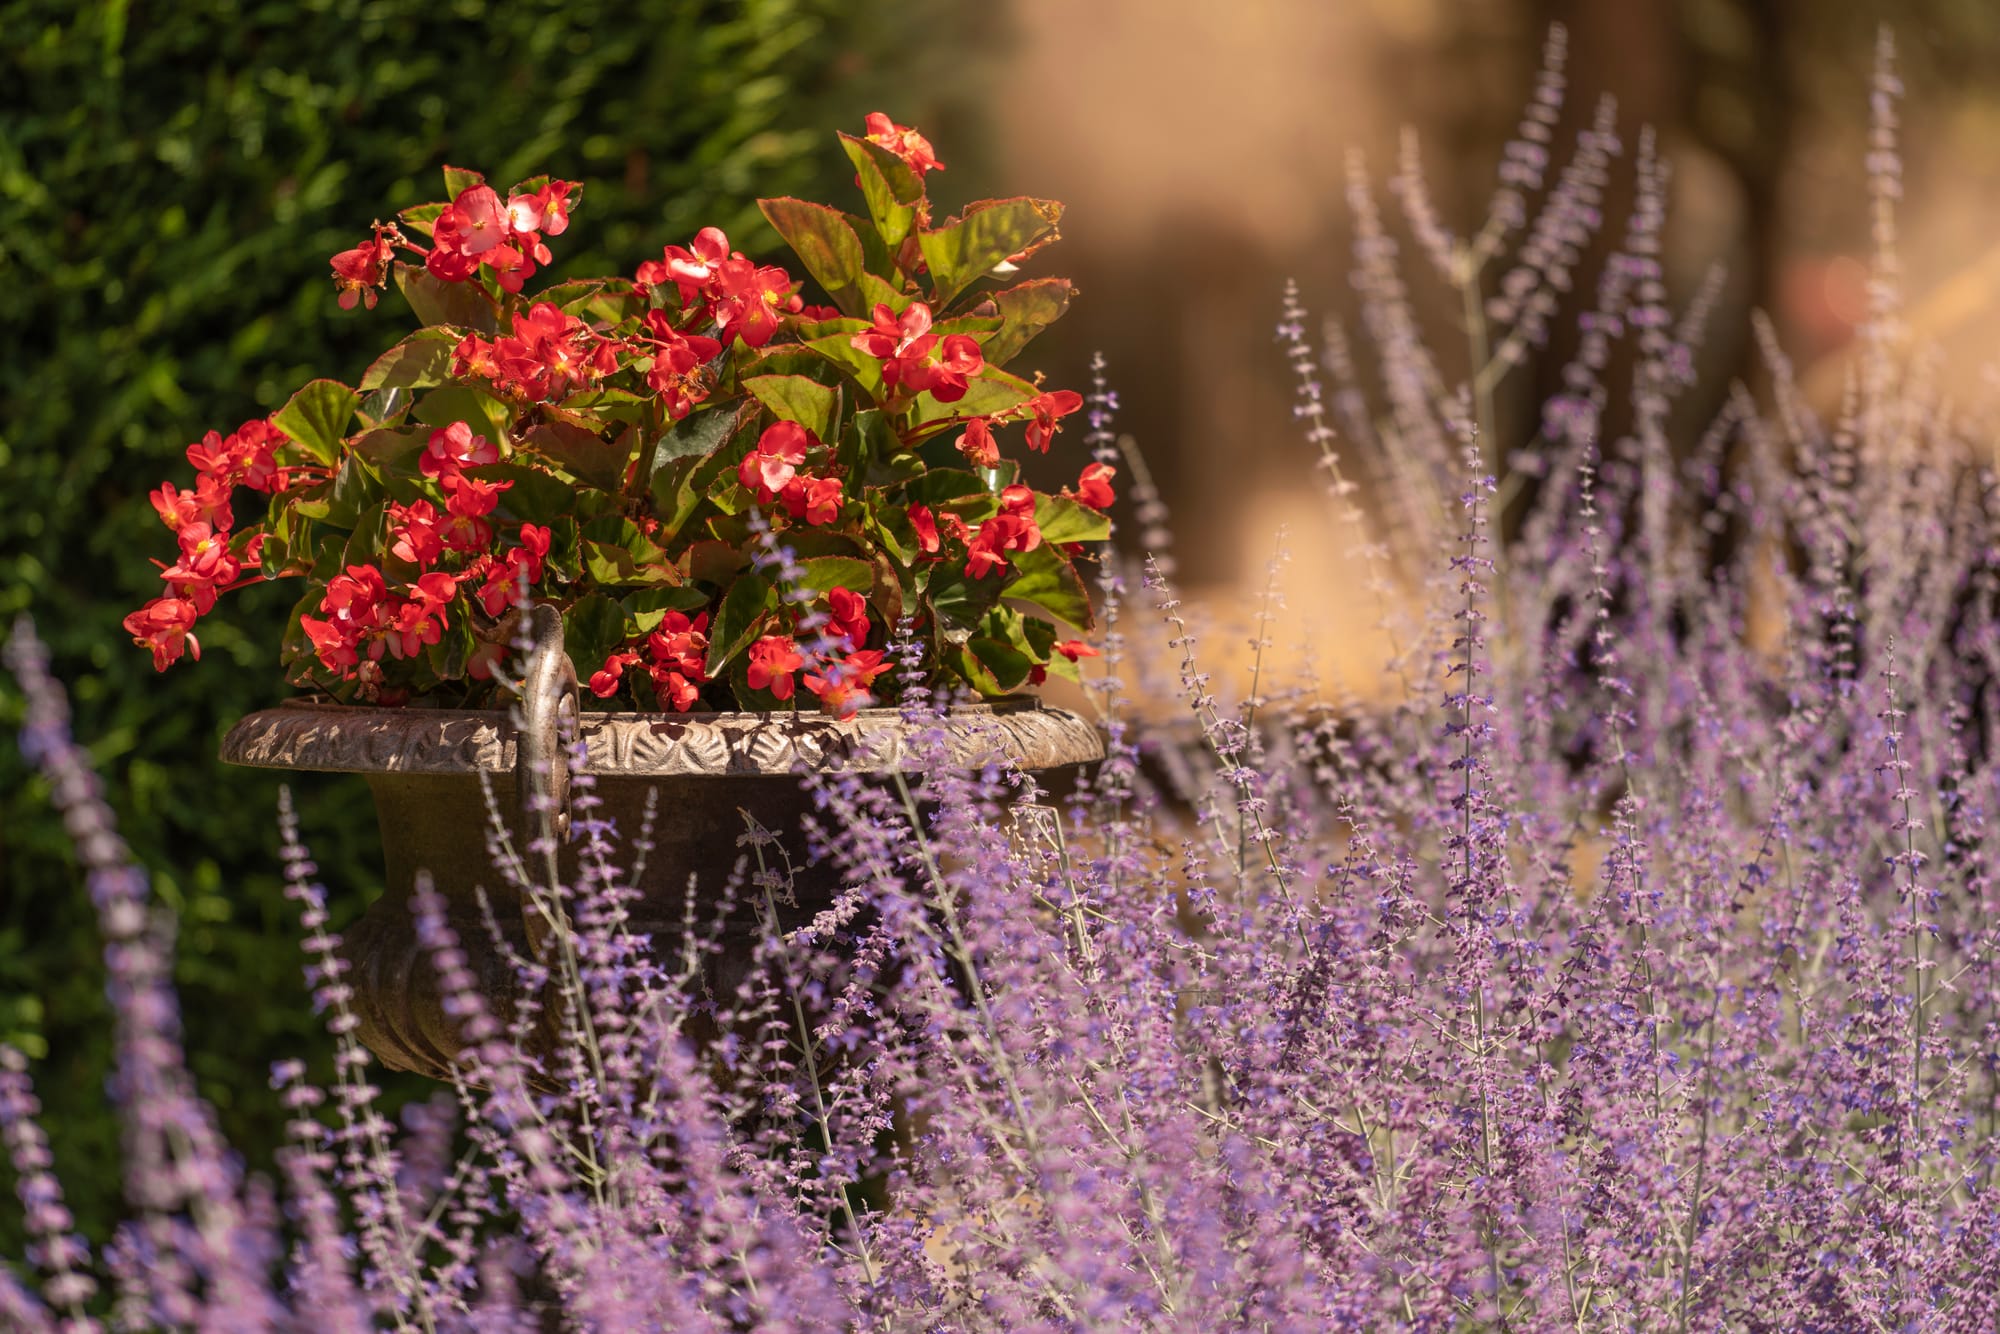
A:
771, 466
750, 302
1018, 500
536, 540
503, 575
524, 214
357, 614
843, 685
849, 616
166, 626
549, 352
604, 681
925, 523
205, 566
773, 659
360, 273
208, 503
1046, 410
674, 690
942, 368
678, 360
245, 457
470, 496
417, 535
1073, 649
977, 443
419, 620
474, 356
904, 142
454, 448
892, 333
256, 447
681, 644
473, 229
468, 502
816, 500
1013, 529
212, 457
691, 269
678, 649
1093, 488
916, 359
557, 198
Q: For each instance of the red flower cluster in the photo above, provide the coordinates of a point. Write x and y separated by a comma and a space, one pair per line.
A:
725, 287
841, 683
477, 229
246, 457
676, 658
1043, 414
208, 503
771, 472
678, 359
904, 142
209, 564
503, 575
420, 535
1012, 529
206, 566
548, 354
1045, 410
579, 382
364, 619
692, 270
917, 360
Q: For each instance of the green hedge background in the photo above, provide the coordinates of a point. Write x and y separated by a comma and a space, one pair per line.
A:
173, 176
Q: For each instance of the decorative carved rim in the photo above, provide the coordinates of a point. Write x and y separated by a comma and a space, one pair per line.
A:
342, 738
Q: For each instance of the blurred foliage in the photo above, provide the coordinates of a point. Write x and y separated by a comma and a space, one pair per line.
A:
173, 178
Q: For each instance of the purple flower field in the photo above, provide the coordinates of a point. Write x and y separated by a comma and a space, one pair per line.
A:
1623, 958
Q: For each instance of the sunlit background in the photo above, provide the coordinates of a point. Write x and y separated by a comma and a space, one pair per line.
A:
1203, 151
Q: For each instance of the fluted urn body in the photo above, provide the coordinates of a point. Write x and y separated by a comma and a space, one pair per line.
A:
704, 772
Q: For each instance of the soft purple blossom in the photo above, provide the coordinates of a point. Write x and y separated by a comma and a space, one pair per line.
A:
1626, 955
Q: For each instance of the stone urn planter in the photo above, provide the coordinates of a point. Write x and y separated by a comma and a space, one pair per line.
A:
425, 767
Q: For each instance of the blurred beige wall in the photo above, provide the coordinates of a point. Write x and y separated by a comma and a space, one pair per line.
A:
1200, 148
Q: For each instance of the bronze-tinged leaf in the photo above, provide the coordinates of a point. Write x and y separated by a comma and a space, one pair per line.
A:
832, 253
795, 398
737, 619
316, 418
970, 246
1025, 310
890, 187
583, 454
421, 361
436, 302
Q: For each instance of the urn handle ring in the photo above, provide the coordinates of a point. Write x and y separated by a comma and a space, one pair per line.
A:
550, 710
549, 713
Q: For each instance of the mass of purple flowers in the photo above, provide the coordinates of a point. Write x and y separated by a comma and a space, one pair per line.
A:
1623, 957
